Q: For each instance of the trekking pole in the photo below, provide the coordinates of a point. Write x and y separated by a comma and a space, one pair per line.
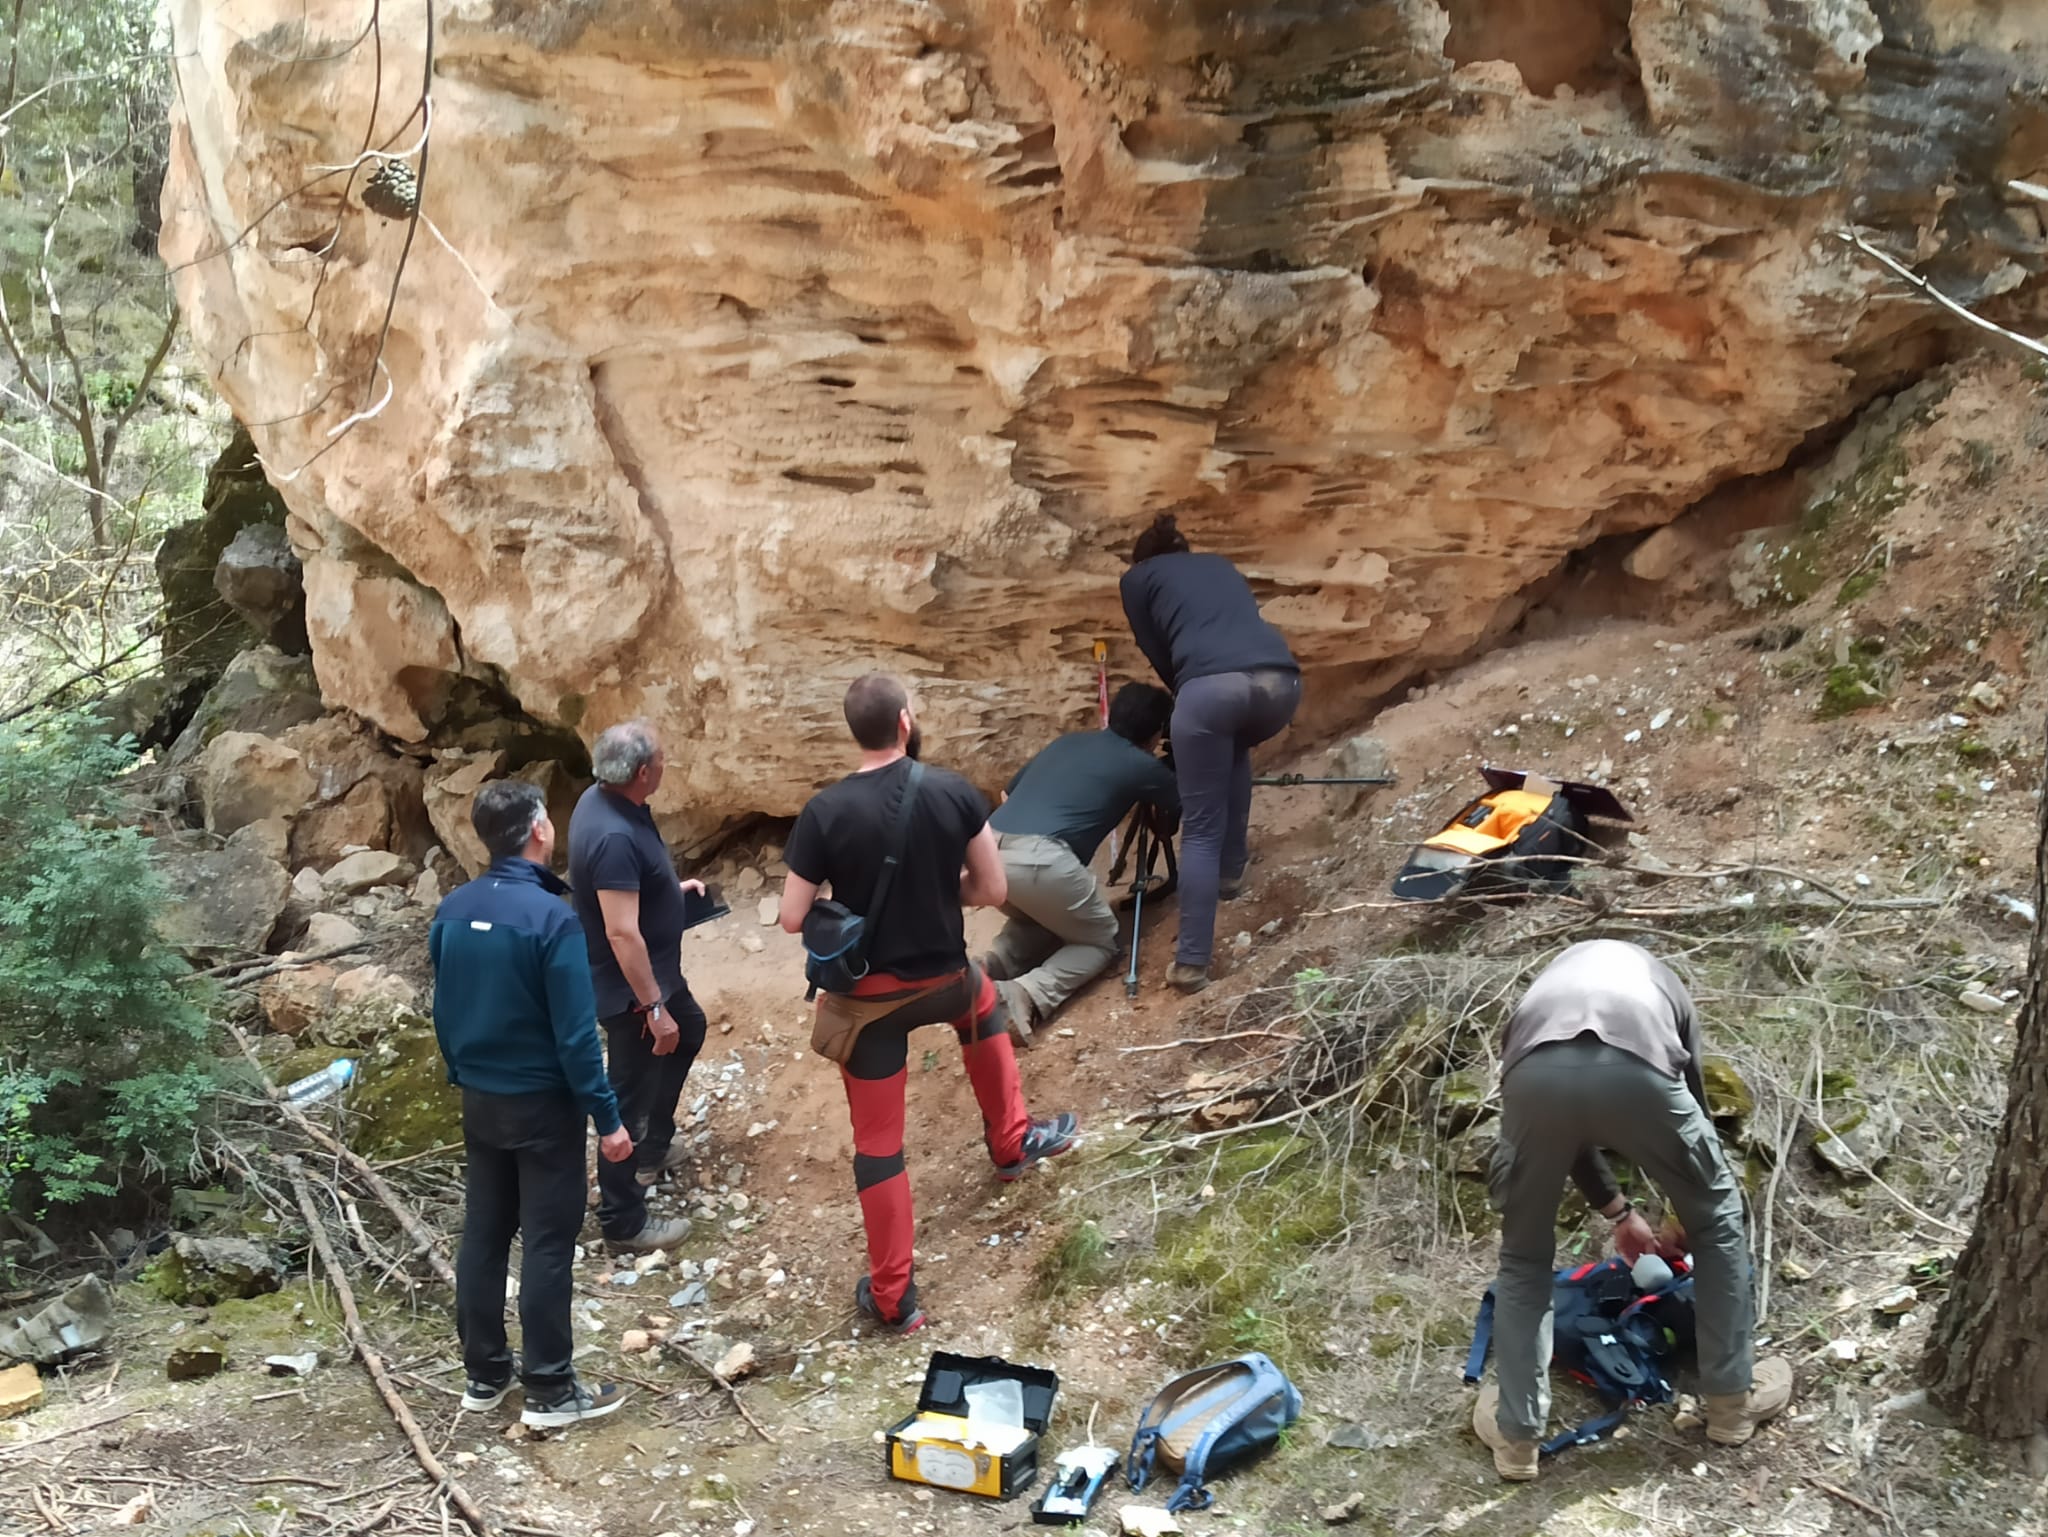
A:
1142, 849
1306, 779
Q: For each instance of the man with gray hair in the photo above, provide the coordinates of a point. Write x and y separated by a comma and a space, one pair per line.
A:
624, 885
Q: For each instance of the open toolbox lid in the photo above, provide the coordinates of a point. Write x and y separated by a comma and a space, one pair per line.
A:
948, 1377
1591, 800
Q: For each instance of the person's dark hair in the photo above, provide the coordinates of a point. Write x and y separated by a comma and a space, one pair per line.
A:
872, 705
504, 814
1140, 712
1162, 538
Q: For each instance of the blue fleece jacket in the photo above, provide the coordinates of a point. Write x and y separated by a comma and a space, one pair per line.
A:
513, 1007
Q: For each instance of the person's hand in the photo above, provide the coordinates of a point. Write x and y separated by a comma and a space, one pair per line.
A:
616, 1146
665, 1031
1672, 1242
693, 888
1633, 1238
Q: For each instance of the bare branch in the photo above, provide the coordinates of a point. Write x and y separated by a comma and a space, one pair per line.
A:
1900, 269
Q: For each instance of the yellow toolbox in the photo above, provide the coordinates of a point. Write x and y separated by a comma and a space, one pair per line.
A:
936, 1446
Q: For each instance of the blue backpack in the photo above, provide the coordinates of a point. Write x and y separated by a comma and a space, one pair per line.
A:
1209, 1421
1611, 1335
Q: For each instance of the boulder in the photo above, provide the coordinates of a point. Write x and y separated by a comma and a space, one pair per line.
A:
366, 868
307, 886
451, 785
76, 1321
244, 778
328, 931
259, 577
360, 819
225, 899
373, 988
21, 1390
262, 690
270, 837
292, 1001
426, 891
199, 628
344, 755
199, 1272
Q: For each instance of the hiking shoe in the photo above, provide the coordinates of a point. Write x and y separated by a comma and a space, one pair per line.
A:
1229, 889
1515, 1461
578, 1404
909, 1316
661, 1233
671, 1163
1046, 1139
1732, 1418
1189, 979
994, 969
479, 1396
1021, 1012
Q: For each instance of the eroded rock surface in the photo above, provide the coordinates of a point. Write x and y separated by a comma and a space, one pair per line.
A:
785, 340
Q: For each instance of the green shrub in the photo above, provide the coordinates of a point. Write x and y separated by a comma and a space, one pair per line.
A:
103, 1050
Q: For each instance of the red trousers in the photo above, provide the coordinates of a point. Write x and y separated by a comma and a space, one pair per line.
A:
876, 1075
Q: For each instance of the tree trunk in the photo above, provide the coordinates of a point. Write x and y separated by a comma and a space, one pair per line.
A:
1987, 1359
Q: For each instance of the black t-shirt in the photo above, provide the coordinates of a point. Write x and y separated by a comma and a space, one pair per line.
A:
1081, 786
842, 839
615, 846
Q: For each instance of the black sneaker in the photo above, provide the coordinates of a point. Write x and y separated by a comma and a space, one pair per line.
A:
909, 1316
1046, 1139
479, 1396
580, 1403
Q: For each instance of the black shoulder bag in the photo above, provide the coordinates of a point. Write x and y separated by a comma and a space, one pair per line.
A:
836, 937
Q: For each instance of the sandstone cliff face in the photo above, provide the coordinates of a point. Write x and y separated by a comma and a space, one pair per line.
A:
752, 345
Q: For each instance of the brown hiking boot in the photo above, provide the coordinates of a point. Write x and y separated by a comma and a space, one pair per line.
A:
1189, 979
1515, 1461
1732, 1418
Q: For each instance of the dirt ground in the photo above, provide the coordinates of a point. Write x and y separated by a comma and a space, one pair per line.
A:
1830, 731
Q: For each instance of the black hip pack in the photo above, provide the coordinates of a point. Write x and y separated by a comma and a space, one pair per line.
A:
835, 936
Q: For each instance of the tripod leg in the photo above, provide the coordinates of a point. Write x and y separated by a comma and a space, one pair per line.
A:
1142, 853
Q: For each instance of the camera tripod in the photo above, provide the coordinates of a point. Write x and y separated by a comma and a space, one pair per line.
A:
1146, 841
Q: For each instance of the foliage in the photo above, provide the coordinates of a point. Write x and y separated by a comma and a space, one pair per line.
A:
103, 1050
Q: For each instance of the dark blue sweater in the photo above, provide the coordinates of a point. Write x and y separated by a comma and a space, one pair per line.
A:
513, 1007
1194, 616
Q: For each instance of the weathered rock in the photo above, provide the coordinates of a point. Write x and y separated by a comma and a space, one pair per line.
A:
1728, 1093
292, 1001
271, 837
1856, 1138
328, 931
373, 987
196, 1356
76, 1321
737, 1362
262, 690
1460, 1100
426, 891
307, 885
21, 1390
259, 577
1400, 306
451, 785
225, 899
200, 631
202, 1271
360, 819
366, 868
1345, 1510
246, 778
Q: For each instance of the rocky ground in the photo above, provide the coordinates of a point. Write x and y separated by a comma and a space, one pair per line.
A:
1818, 703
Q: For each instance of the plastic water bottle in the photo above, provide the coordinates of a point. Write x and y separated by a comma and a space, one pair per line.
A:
325, 1084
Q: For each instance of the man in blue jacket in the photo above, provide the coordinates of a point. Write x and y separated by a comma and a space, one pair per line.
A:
517, 1024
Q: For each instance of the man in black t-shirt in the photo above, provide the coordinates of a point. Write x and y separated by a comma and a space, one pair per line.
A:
1059, 808
918, 971
623, 883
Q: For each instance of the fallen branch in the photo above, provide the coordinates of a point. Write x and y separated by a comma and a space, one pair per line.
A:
423, 1239
294, 964
733, 1393
1199, 1041
373, 1363
1849, 1499
58, 1435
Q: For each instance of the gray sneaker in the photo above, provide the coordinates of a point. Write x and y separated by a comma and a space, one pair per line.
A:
658, 1233
573, 1407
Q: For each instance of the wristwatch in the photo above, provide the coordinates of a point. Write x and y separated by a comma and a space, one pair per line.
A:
647, 1010
1627, 1210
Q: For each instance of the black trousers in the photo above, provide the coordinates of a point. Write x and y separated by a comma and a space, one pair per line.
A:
648, 1088
525, 1177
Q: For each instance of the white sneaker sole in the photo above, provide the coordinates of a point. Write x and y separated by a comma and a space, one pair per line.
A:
557, 1419
477, 1405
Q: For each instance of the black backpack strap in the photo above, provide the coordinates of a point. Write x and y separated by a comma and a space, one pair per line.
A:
899, 837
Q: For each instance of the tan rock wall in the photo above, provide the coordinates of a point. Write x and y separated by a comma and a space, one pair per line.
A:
750, 346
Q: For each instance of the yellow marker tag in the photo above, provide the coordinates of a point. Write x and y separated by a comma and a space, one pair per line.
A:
1101, 651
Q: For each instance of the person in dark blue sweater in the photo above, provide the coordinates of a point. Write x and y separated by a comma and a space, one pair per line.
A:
516, 1020
1235, 684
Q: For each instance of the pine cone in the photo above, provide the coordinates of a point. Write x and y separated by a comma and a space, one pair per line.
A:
394, 191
